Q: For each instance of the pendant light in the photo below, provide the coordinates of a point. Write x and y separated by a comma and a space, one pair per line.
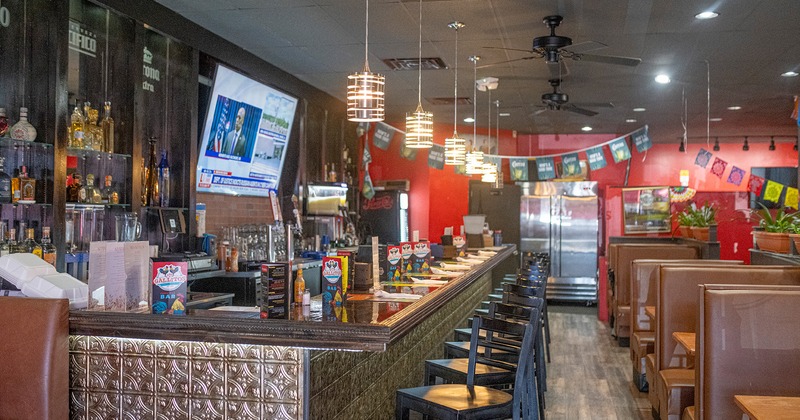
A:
498, 183
365, 90
455, 147
489, 167
474, 158
419, 125
772, 144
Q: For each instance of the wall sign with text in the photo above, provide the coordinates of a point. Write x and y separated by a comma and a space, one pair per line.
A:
5, 16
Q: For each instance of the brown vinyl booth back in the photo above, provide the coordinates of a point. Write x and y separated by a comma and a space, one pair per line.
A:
643, 286
34, 349
625, 255
677, 299
748, 344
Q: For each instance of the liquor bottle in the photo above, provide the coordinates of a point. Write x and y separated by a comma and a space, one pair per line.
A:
4, 249
3, 122
5, 184
88, 134
27, 186
108, 129
16, 194
109, 195
93, 137
73, 189
77, 125
150, 187
299, 287
12, 241
163, 180
49, 251
23, 130
31, 245
88, 193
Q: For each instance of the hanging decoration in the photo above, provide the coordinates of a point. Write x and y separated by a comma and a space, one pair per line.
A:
619, 150
419, 124
383, 135
773, 191
455, 148
596, 157
436, 157
718, 168
755, 184
519, 169
736, 176
545, 168
641, 139
703, 157
791, 198
366, 188
681, 194
365, 89
570, 164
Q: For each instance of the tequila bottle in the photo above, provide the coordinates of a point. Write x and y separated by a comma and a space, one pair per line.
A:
23, 130
16, 194
94, 133
89, 193
5, 185
77, 126
73, 189
13, 248
150, 187
27, 186
108, 129
30, 244
163, 180
49, 252
4, 249
109, 194
3, 122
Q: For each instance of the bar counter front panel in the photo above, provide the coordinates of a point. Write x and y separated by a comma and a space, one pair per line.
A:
232, 365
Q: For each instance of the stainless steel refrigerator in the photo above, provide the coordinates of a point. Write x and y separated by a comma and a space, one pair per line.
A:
561, 218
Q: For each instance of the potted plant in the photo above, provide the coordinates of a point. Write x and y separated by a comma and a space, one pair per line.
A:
794, 234
702, 218
774, 236
685, 221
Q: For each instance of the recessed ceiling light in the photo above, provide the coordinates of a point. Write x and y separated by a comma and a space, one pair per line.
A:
717, 119
469, 120
790, 74
638, 109
706, 15
630, 120
734, 108
505, 114
663, 79
586, 128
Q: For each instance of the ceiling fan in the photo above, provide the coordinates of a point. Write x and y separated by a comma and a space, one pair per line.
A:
552, 48
558, 101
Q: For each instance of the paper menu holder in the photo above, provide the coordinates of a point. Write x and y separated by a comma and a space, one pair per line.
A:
119, 276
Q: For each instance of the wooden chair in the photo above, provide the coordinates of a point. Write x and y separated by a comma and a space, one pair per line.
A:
470, 401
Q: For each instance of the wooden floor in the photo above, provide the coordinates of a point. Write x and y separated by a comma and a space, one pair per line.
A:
589, 376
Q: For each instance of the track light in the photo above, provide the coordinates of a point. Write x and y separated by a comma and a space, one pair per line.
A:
716, 144
745, 146
771, 144
682, 147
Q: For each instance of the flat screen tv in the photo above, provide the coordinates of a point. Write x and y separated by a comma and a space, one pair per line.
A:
245, 136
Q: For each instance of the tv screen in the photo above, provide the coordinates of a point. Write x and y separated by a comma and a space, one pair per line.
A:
245, 136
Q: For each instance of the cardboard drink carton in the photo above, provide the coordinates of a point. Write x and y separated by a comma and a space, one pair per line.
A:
334, 284
169, 287
461, 246
421, 261
394, 261
275, 287
349, 269
406, 252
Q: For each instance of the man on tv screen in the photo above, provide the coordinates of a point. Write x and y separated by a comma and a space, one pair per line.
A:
235, 141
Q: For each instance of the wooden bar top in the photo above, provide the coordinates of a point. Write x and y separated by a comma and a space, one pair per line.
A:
686, 340
650, 311
759, 407
362, 323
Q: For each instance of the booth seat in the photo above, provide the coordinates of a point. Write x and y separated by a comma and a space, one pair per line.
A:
624, 255
34, 344
643, 293
677, 310
748, 343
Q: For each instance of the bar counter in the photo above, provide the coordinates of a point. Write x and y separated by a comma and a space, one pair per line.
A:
223, 364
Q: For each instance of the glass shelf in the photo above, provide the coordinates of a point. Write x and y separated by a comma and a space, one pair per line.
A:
26, 204
165, 208
95, 206
89, 153
9, 142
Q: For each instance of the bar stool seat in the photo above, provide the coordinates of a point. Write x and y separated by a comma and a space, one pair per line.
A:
456, 349
455, 371
456, 401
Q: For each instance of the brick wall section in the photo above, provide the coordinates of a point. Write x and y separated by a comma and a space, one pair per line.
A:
226, 210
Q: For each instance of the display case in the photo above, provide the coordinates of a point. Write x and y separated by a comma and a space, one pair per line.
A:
646, 210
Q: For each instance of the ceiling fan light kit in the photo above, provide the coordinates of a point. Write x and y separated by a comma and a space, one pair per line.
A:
365, 89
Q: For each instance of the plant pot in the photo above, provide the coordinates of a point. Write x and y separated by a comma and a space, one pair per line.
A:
700, 233
772, 242
686, 231
796, 239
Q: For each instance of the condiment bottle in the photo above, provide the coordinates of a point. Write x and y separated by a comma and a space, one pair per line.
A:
306, 298
299, 287
234, 260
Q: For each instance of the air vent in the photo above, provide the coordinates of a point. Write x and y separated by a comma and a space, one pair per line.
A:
449, 101
428, 63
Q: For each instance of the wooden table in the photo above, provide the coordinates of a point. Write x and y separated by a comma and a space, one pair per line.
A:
650, 311
686, 340
759, 407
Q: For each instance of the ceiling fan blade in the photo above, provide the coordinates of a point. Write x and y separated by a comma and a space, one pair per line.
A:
608, 59
583, 47
575, 109
594, 104
508, 49
539, 112
506, 62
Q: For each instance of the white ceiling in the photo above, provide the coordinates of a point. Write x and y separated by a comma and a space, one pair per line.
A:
747, 48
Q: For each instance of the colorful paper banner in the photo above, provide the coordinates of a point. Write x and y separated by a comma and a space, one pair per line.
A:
366, 158
736, 176
641, 139
436, 157
597, 159
367, 188
519, 169
619, 149
570, 164
718, 168
382, 136
755, 184
791, 198
702, 159
545, 168
773, 191
407, 152
460, 169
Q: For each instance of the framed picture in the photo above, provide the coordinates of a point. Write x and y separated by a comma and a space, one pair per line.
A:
646, 210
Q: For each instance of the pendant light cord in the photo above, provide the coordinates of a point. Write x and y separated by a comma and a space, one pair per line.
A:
708, 103
475, 103
455, 86
419, 66
366, 41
